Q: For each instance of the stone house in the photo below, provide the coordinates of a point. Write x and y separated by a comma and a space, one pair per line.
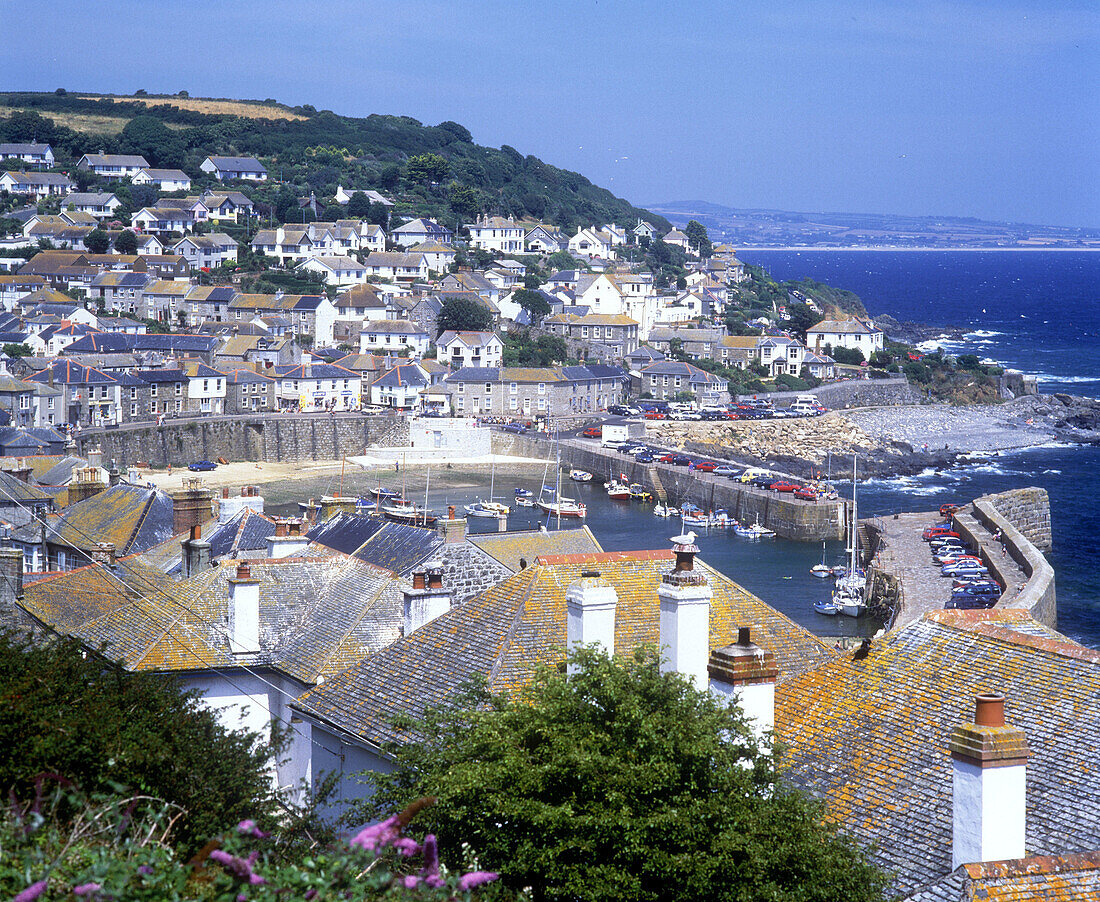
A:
247, 391
530, 392
666, 379
602, 335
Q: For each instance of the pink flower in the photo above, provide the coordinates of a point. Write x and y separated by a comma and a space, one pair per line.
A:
378, 836
407, 847
476, 878
86, 889
238, 867
249, 828
410, 882
145, 870
32, 892
430, 871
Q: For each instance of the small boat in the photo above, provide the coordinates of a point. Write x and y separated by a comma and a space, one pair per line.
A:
849, 603
660, 510
524, 493
564, 507
639, 492
756, 531
491, 509
580, 475
524, 501
826, 606
721, 519
619, 491
363, 506
385, 494
405, 511
700, 520
821, 570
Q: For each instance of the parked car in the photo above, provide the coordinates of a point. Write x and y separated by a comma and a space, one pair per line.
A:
678, 460
938, 531
645, 458
620, 410
705, 466
762, 482
970, 603
592, 432
517, 428
806, 493
963, 567
727, 471
200, 466
635, 450
654, 415
785, 487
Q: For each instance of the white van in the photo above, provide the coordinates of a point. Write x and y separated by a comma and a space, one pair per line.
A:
806, 404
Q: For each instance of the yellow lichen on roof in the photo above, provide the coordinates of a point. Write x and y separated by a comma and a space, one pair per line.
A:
510, 547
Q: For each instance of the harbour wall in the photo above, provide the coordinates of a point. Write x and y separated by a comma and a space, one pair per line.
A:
791, 518
1023, 518
853, 393
273, 438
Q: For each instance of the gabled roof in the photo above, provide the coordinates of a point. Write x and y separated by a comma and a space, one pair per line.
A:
115, 159
133, 518
408, 374
506, 632
121, 342
869, 736
248, 531
237, 164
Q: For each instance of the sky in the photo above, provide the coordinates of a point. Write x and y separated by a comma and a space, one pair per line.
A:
985, 109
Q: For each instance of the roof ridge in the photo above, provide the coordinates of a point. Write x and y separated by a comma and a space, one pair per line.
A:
987, 624
513, 628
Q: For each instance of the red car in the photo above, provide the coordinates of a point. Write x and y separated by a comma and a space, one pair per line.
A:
948, 510
705, 466
654, 415
806, 493
667, 459
938, 532
785, 486
592, 432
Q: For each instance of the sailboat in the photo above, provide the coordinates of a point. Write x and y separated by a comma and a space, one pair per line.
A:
556, 505
618, 489
404, 509
757, 531
848, 595
821, 570
491, 509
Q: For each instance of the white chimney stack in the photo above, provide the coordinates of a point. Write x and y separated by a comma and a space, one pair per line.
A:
590, 614
244, 612
427, 599
685, 597
746, 673
289, 539
989, 785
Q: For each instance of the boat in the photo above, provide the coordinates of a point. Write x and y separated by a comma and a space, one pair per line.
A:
850, 585
721, 519
562, 507
826, 606
639, 492
385, 494
491, 509
660, 510
524, 501
756, 531
850, 604
405, 511
619, 491
580, 475
821, 570
695, 519
524, 493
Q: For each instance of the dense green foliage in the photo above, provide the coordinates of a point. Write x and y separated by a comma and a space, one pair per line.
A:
68, 712
520, 349
620, 783
463, 315
534, 303
394, 154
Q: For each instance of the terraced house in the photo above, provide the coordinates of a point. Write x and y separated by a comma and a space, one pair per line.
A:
309, 314
556, 391
613, 335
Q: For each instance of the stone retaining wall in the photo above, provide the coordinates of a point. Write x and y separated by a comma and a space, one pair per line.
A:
853, 393
273, 438
1028, 510
790, 518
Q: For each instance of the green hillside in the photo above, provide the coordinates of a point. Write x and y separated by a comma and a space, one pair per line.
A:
434, 170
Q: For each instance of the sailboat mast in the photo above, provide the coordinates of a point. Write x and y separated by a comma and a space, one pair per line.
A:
853, 526
427, 482
557, 490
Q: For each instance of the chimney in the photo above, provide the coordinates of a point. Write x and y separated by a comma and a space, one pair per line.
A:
427, 599
685, 596
133, 475
104, 554
229, 506
288, 540
191, 505
244, 611
11, 584
590, 614
95, 457
451, 530
746, 673
113, 475
195, 553
989, 785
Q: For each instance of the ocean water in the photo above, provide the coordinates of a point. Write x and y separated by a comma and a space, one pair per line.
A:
1035, 311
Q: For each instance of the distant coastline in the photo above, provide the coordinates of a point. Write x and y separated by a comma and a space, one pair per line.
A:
745, 248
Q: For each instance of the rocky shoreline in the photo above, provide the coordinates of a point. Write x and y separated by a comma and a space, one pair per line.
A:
891, 441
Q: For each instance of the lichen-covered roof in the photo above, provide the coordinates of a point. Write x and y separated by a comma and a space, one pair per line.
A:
133, 518
247, 531
1038, 878
869, 736
506, 632
509, 547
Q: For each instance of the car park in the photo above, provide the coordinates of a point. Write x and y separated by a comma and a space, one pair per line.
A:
201, 466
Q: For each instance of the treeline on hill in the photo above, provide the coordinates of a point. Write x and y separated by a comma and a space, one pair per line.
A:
433, 170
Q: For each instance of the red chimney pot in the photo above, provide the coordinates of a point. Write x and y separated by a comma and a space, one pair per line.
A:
989, 709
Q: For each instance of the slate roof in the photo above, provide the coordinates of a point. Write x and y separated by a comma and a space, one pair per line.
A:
507, 631
344, 532
69, 372
121, 342
870, 736
399, 547
14, 491
115, 159
408, 374
237, 164
1039, 878
508, 547
248, 531
132, 517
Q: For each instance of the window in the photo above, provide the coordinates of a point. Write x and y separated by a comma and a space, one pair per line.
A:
179, 391
488, 388
513, 403
513, 387
133, 392
133, 410
103, 392
542, 403
49, 403
179, 405
542, 388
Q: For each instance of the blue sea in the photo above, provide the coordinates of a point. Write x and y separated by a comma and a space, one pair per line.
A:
1035, 311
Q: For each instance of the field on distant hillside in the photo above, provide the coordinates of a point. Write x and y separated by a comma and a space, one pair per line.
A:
81, 122
211, 107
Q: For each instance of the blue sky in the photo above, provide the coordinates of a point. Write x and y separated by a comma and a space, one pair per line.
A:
984, 109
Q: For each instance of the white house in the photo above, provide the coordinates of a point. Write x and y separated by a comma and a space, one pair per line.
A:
206, 251
781, 354
343, 196
494, 233
677, 239
231, 168
544, 239
854, 333
459, 349
439, 256
36, 184
205, 388
317, 386
161, 220
391, 336
39, 156
163, 179
337, 270
592, 243
399, 267
113, 166
419, 231
400, 386
644, 230
99, 204
227, 205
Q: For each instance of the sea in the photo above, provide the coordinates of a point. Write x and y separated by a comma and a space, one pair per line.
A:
1031, 310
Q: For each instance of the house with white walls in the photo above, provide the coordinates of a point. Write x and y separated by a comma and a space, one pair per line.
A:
163, 179
459, 349
495, 233
226, 169
113, 166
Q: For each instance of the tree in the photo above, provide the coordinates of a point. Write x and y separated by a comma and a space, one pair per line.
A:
426, 168
76, 714
849, 356
533, 302
17, 350
619, 782
97, 241
152, 139
358, 205
697, 237
802, 317
466, 202
464, 315
126, 242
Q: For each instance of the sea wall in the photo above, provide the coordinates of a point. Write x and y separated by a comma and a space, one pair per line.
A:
1032, 507
853, 393
275, 438
791, 518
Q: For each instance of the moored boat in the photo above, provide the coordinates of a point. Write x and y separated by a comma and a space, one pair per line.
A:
405, 511
563, 507
826, 606
490, 509
639, 492
580, 475
821, 570
524, 501
755, 531
619, 491
660, 510
524, 493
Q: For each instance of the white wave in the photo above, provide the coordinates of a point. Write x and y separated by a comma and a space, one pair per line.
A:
1066, 380
982, 333
1052, 472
